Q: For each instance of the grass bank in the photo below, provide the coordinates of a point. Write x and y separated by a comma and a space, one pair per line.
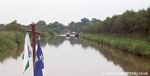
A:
11, 43
137, 47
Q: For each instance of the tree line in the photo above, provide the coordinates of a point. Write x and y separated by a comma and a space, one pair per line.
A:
41, 26
130, 24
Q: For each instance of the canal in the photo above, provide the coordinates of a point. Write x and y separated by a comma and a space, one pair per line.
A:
73, 57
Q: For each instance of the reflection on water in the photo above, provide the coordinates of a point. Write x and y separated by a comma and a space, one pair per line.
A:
74, 60
10, 53
128, 62
72, 57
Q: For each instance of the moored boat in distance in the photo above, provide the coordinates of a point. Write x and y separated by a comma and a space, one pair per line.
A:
77, 35
73, 34
67, 34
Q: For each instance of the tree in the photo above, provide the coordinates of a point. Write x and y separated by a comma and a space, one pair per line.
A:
14, 26
41, 23
2, 26
85, 21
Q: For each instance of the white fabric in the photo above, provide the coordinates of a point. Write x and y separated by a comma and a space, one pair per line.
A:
27, 50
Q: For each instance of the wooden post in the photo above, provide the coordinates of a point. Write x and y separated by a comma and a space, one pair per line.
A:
33, 41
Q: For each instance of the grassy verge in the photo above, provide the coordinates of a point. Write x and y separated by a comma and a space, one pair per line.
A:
11, 43
137, 47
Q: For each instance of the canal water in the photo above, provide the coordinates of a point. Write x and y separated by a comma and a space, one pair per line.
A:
73, 57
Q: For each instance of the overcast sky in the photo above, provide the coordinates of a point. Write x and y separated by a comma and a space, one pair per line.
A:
64, 11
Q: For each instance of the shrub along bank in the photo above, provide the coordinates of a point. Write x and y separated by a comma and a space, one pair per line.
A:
137, 47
